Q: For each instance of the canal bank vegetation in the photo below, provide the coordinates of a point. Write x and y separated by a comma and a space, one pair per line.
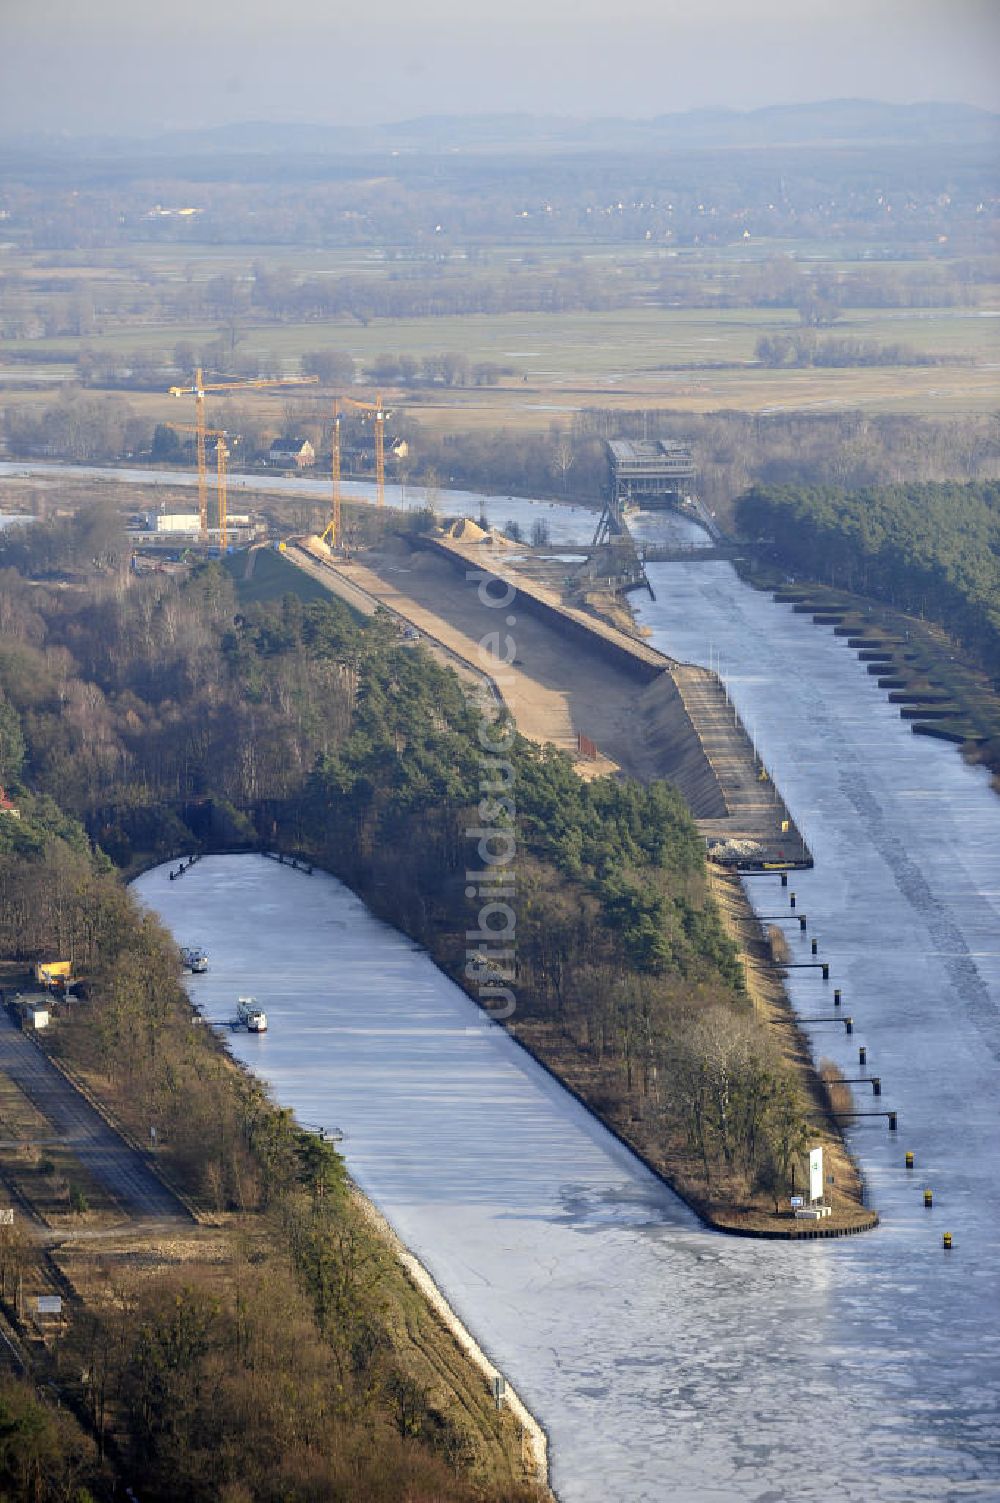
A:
272, 1348
168, 715
929, 555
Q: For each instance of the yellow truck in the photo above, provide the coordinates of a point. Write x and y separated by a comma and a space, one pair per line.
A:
54, 974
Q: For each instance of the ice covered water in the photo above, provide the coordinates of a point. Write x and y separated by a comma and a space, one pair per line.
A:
668, 1362
669, 527
566, 523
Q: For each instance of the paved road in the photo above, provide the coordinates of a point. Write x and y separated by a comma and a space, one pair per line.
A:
120, 1168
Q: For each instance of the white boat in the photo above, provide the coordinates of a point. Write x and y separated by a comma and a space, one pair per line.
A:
194, 959
252, 1017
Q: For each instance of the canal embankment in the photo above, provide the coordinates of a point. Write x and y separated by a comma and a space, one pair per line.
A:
641, 699
586, 686
933, 683
846, 1191
647, 1346
534, 1441
709, 755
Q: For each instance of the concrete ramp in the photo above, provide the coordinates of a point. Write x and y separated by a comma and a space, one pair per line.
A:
669, 735
756, 817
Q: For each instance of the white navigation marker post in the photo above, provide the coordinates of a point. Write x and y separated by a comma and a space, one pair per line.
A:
815, 1175
815, 1208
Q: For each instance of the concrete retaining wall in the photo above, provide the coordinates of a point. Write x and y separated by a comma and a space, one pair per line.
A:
636, 658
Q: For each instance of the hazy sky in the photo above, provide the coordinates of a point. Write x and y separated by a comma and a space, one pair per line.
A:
128, 65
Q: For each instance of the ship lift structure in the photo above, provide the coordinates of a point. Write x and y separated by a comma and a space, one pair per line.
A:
652, 473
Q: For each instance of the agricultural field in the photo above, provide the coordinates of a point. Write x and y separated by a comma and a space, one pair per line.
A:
642, 354
654, 359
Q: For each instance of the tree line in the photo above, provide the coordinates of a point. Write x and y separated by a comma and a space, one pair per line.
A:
453, 282
932, 549
147, 703
805, 349
734, 450
307, 1375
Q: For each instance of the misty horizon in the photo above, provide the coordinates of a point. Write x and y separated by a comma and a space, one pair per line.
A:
817, 123
123, 70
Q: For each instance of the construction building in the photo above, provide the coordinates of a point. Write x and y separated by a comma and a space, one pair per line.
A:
157, 529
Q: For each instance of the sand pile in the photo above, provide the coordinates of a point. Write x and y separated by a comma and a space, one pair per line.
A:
467, 531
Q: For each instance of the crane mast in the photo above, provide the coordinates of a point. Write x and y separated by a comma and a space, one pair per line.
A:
333, 528
379, 451
202, 434
221, 455
199, 420
198, 390
378, 412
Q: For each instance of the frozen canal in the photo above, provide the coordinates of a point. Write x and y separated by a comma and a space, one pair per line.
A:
567, 524
667, 1362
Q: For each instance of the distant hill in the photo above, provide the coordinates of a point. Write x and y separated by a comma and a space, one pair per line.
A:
838, 120
830, 123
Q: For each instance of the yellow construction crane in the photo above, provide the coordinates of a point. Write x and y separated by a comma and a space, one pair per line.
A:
221, 456
380, 415
198, 390
333, 530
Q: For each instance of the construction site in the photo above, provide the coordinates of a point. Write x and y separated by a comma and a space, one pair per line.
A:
594, 689
582, 677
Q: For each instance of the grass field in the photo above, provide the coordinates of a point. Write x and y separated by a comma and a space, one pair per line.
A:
200, 260
533, 407
553, 393
609, 345
273, 578
650, 357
